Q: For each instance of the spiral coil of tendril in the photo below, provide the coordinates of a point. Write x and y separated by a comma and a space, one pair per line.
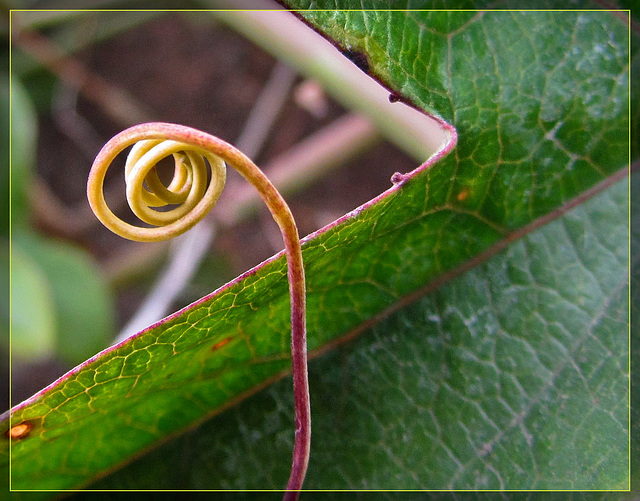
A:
194, 190
188, 197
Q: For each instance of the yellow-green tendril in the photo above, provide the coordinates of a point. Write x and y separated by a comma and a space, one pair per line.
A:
194, 195
188, 188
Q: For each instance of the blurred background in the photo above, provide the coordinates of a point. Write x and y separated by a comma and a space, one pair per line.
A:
80, 77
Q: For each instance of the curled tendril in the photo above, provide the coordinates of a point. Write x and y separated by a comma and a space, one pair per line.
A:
190, 190
194, 192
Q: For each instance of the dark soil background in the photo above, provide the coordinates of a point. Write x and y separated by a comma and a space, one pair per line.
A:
188, 69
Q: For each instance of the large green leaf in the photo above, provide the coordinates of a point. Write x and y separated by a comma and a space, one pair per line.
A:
513, 375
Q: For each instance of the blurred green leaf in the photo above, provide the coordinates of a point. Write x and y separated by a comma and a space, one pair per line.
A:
76, 317
513, 375
33, 328
4, 299
85, 309
4, 163
24, 136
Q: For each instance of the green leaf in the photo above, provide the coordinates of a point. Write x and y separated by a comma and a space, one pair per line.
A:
512, 375
24, 134
4, 165
33, 315
84, 308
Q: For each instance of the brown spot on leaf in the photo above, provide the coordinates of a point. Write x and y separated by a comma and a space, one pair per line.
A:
463, 195
19, 431
220, 344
